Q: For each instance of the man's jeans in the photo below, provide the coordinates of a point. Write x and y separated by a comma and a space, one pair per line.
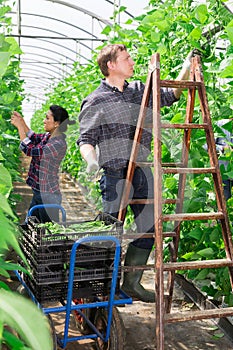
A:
227, 186
112, 186
48, 214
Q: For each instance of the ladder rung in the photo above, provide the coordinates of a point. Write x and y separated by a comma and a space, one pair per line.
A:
177, 165
192, 265
142, 201
197, 315
189, 265
193, 216
144, 164
139, 235
170, 201
147, 235
189, 170
150, 164
169, 234
180, 83
151, 201
184, 126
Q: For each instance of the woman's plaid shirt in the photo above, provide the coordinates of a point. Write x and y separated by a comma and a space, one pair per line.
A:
47, 153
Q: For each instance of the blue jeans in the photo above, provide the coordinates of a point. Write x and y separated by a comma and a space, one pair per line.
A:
112, 186
48, 214
227, 186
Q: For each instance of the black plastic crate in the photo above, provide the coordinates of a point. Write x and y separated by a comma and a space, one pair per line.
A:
55, 274
58, 291
61, 254
46, 248
43, 275
48, 256
43, 241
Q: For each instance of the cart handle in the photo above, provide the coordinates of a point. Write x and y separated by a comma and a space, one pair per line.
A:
40, 206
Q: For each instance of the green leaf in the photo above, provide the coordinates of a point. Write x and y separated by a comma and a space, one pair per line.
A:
202, 274
7, 98
218, 335
195, 34
14, 46
4, 286
106, 30
13, 342
31, 325
170, 183
4, 60
122, 9
5, 181
187, 256
196, 233
155, 37
162, 49
229, 30
163, 25
227, 72
229, 174
206, 253
214, 235
201, 13
178, 118
4, 205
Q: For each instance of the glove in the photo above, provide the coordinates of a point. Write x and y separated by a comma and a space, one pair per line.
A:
92, 166
187, 62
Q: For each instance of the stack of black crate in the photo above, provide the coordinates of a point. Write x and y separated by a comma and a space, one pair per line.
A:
48, 258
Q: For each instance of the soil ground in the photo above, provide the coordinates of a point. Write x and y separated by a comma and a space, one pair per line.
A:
139, 317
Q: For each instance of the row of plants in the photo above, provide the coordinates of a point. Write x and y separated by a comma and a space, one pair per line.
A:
17, 331
172, 28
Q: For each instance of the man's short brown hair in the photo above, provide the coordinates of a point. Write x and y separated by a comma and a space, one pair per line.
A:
109, 53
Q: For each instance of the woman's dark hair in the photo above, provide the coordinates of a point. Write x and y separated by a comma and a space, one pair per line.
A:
61, 116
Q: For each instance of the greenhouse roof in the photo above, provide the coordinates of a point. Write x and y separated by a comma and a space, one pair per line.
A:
54, 34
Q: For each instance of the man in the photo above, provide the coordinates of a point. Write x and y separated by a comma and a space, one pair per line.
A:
107, 124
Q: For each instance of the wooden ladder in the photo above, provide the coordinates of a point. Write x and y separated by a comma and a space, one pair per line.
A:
164, 295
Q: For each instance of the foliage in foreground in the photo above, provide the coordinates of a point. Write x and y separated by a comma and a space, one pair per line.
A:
19, 330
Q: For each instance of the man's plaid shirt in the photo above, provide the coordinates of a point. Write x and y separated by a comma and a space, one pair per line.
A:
108, 119
47, 154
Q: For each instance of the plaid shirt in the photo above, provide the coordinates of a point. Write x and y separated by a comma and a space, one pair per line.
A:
108, 120
47, 154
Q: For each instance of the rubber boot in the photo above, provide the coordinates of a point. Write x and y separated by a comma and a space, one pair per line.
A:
131, 283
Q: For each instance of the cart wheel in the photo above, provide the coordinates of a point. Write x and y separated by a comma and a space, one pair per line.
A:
116, 339
80, 321
52, 331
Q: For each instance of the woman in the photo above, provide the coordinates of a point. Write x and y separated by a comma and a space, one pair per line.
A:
46, 151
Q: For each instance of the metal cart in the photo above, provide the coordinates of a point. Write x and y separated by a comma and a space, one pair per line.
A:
91, 295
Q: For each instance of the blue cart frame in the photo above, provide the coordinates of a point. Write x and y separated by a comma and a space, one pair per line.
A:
69, 305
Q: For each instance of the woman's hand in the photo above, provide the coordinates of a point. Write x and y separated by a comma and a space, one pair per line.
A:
18, 121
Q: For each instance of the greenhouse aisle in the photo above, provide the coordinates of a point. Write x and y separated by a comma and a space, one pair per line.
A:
138, 318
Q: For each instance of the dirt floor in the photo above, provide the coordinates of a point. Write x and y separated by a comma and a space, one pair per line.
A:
138, 318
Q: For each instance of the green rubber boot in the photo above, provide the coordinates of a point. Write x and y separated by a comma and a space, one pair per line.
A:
131, 284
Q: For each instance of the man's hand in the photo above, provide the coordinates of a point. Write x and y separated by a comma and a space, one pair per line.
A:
187, 62
92, 166
185, 71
